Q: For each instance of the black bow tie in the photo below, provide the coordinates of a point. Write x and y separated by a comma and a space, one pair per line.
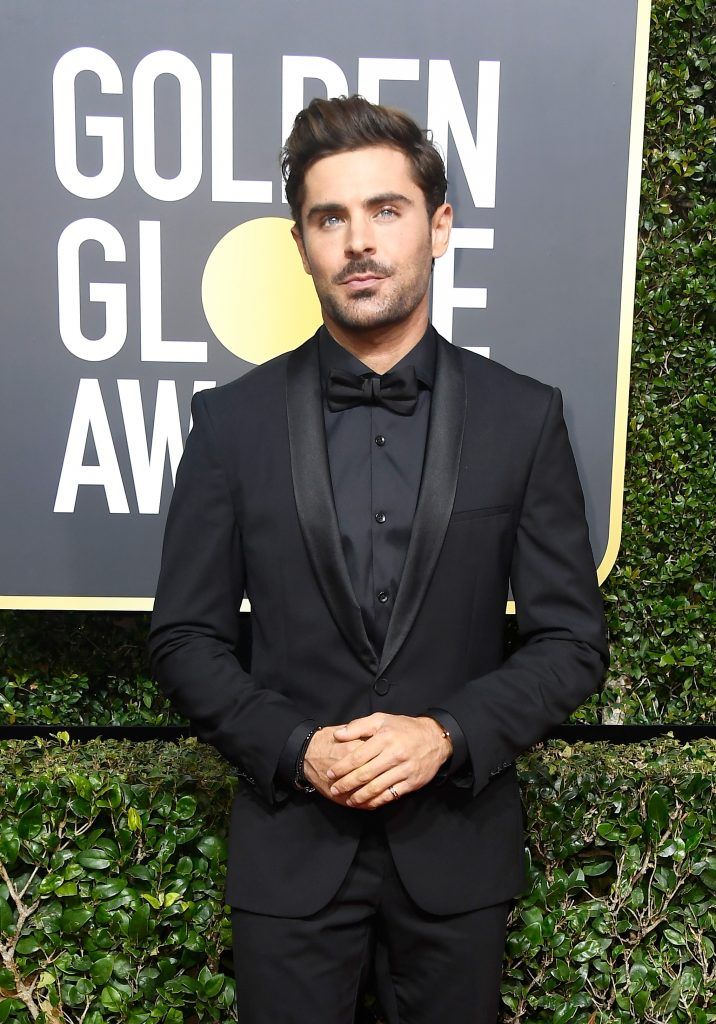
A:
396, 390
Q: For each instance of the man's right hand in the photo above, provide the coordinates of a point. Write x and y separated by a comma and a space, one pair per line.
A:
321, 754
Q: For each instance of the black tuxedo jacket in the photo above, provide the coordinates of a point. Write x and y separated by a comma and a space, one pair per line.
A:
253, 510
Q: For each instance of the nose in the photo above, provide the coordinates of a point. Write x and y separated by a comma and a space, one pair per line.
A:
360, 238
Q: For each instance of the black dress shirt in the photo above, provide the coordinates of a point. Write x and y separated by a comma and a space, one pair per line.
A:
376, 460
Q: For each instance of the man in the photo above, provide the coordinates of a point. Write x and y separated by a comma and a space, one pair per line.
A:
373, 492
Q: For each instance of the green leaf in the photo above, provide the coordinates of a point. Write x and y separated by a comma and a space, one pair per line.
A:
585, 950
101, 970
185, 807
95, 860
66, 889
596, 868
212, 847
672, 997
6, 1006
30, 823
9, 846
566, 1012
139, 924
106, 890
611, 831
111, 998
7, 917
658, 810
211, 984
75, 918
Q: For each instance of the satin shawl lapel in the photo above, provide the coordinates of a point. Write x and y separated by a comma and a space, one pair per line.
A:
436, 495
314, 498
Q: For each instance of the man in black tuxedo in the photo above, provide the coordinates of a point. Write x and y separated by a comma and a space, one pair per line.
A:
373, 492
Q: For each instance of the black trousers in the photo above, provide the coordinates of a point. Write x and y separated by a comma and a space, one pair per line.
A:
427, 967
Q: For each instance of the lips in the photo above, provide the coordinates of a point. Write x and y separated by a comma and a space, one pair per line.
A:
362, 280
361, 274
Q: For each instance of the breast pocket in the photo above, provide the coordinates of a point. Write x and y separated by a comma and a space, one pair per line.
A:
480, 513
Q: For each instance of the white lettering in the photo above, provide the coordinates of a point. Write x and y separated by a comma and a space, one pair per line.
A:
148, 462
295, 71
446, 297
374, 70
154, 348
224, 187
108, 129
90, 414
446, 112
167, 62
114, 296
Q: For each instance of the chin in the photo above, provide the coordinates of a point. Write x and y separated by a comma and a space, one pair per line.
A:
368, 321
354, 318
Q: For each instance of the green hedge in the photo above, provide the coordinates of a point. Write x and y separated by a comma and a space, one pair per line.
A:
620, 922
660, 595
116, 854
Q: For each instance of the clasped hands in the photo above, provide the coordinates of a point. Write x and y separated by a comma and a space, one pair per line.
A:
355, 764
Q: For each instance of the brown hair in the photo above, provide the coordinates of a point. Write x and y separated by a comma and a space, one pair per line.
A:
351, 122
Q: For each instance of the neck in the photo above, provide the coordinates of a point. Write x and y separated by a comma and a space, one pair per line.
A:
381, 348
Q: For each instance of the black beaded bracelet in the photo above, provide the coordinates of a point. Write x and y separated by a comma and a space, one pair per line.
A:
300, 782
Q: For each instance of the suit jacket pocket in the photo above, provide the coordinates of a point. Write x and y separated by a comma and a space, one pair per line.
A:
475, 513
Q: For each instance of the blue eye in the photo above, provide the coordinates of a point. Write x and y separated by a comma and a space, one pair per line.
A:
386, 210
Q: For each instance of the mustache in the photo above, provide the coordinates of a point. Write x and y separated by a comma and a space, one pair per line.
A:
362, 267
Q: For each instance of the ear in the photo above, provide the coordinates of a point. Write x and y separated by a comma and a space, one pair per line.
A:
440, 229
298, 239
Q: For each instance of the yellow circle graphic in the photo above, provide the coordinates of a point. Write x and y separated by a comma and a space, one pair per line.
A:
257, 298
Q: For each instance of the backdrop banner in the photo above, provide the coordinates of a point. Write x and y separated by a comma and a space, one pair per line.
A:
145, 250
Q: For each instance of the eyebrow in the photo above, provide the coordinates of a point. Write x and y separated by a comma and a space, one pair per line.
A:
378, 200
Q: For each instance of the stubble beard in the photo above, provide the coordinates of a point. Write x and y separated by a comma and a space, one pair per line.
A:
359, 312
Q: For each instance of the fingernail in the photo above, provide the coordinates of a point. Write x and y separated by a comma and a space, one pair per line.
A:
341, 728
331, 774
334, 790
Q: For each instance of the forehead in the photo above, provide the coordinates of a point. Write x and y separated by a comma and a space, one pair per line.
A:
358, 174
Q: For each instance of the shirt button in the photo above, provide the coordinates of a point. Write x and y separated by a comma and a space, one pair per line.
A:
380, 517
383, 596
379, 440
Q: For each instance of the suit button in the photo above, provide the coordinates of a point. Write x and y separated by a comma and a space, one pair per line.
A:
380, 517
379, 440
383, 596
381, 686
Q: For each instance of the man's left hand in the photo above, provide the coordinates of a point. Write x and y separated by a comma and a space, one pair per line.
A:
399, 750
